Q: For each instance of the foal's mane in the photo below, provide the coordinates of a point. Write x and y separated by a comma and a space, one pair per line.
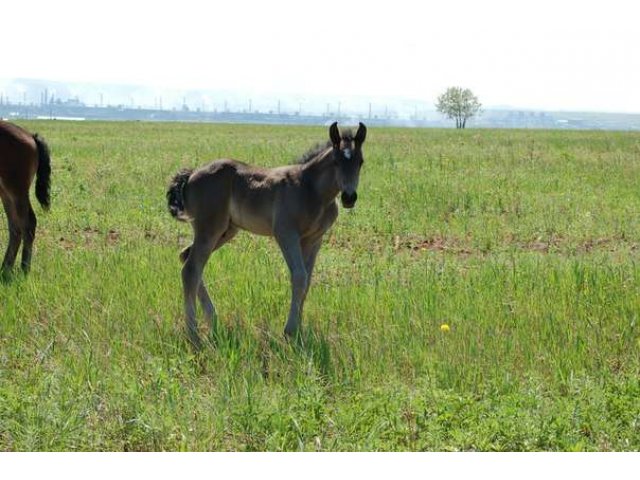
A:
313, 152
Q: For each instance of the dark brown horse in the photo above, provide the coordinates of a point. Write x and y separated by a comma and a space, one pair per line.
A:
295, 204
23, 156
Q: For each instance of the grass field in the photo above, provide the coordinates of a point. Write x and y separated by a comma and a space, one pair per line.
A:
525, 243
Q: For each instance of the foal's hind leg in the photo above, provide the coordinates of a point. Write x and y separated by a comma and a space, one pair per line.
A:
15, 237
205, 300
205, 240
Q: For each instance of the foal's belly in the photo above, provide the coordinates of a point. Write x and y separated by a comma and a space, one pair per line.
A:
251, 216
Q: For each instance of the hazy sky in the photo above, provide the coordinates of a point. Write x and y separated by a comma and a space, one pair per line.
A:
538, 54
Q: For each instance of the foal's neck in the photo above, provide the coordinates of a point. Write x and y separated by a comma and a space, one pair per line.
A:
321, 174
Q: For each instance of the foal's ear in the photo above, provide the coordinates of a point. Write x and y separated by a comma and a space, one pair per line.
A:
334, 135
361, 134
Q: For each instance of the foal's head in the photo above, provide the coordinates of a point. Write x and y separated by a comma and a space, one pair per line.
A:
347, 153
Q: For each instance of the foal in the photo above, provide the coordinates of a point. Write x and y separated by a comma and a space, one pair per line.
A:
295, 204
22, 157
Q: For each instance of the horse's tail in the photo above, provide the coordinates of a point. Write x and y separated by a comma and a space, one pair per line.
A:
43, 175
175, 195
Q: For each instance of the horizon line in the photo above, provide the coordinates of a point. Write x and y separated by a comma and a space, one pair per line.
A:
368, 98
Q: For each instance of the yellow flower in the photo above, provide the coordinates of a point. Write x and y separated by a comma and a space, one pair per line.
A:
444, 328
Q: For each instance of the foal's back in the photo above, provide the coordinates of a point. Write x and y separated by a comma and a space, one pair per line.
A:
245, 193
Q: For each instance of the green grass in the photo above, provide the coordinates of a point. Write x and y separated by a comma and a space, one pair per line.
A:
524, 242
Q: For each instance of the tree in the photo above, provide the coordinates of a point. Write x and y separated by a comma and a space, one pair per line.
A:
459, 104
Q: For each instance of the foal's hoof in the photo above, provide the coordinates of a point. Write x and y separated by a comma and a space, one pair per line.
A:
6, 275
194, 340
292, 335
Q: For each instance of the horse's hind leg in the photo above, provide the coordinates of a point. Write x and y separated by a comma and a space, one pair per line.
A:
205, 301
29, 223
204, 243
203, 295
15, 237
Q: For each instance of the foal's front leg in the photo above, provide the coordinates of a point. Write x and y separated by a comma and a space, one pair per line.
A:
310, 252
289, 242
311, 246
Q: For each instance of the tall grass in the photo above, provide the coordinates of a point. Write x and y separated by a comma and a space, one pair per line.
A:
524, 243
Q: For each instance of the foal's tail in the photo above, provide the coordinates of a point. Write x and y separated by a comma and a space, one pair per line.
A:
175, 195
43, 175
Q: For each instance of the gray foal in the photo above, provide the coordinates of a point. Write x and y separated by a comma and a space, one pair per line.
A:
295, 204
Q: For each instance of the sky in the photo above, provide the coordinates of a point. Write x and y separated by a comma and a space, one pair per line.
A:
548, 55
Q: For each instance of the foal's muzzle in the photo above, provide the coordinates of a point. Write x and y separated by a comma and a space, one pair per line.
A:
349, 199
